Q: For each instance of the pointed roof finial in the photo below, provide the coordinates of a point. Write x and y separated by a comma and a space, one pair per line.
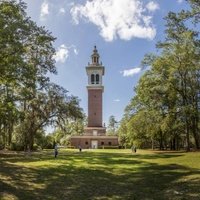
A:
95, 49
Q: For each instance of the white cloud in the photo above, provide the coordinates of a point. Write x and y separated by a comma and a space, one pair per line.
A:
152, 6
180, 1
116, 100
131, 72
44, 11
75, 51
124, 19
62, 54
62, 11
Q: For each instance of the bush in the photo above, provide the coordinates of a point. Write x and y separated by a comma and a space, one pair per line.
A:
16, 147
71, 147
109, 147
1, 146
36, 147
48, 142
48, 146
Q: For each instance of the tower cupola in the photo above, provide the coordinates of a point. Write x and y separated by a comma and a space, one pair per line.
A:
95, 56
95, 70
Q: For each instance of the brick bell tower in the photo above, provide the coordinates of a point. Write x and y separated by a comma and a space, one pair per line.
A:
94, 135
95, 88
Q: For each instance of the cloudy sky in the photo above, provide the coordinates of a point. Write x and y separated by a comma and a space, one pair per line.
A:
123, 31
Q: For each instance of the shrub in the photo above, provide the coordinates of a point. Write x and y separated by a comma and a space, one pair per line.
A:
36, 147
71, 147
109, 147
16, 147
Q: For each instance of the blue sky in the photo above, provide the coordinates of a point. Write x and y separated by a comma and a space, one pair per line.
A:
123, 31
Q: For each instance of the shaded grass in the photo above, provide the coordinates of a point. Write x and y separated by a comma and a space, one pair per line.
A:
100, 174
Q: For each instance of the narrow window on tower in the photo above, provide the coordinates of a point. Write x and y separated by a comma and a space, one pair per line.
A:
92, 78
97, 78
94, 59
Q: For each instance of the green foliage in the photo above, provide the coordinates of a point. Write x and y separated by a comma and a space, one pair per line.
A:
48, 142
29, 102
122, 133
165, 111
16, 147
109, 147
73, 126
112, 126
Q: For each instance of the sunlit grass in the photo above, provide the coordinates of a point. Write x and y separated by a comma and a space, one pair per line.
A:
100, 174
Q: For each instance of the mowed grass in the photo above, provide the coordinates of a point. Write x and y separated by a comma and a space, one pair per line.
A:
100, 174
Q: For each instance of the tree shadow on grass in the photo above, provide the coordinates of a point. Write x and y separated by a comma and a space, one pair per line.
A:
70, 179
90, 157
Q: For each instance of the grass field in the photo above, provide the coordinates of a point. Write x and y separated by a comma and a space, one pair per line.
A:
100, 174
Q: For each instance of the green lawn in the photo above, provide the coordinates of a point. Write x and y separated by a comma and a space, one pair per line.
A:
100, 174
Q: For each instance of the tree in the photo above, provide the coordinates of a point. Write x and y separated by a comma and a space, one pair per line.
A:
28, 100
112, 126
71, 126
52, 108
167, 95
11, 49
123, 133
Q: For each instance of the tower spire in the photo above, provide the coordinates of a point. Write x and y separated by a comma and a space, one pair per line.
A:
95, 56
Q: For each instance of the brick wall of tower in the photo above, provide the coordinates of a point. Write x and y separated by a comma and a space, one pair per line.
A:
86, 143
94, 108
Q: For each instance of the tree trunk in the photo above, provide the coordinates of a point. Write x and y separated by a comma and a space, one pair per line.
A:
187, 136
152, 144
195, 132
161, 140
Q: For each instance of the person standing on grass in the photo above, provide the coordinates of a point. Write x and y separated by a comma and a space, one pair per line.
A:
135, 149
55, 150
80, 149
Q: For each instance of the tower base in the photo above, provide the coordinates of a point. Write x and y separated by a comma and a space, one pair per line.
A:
94, 142
93, 138
95, 131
